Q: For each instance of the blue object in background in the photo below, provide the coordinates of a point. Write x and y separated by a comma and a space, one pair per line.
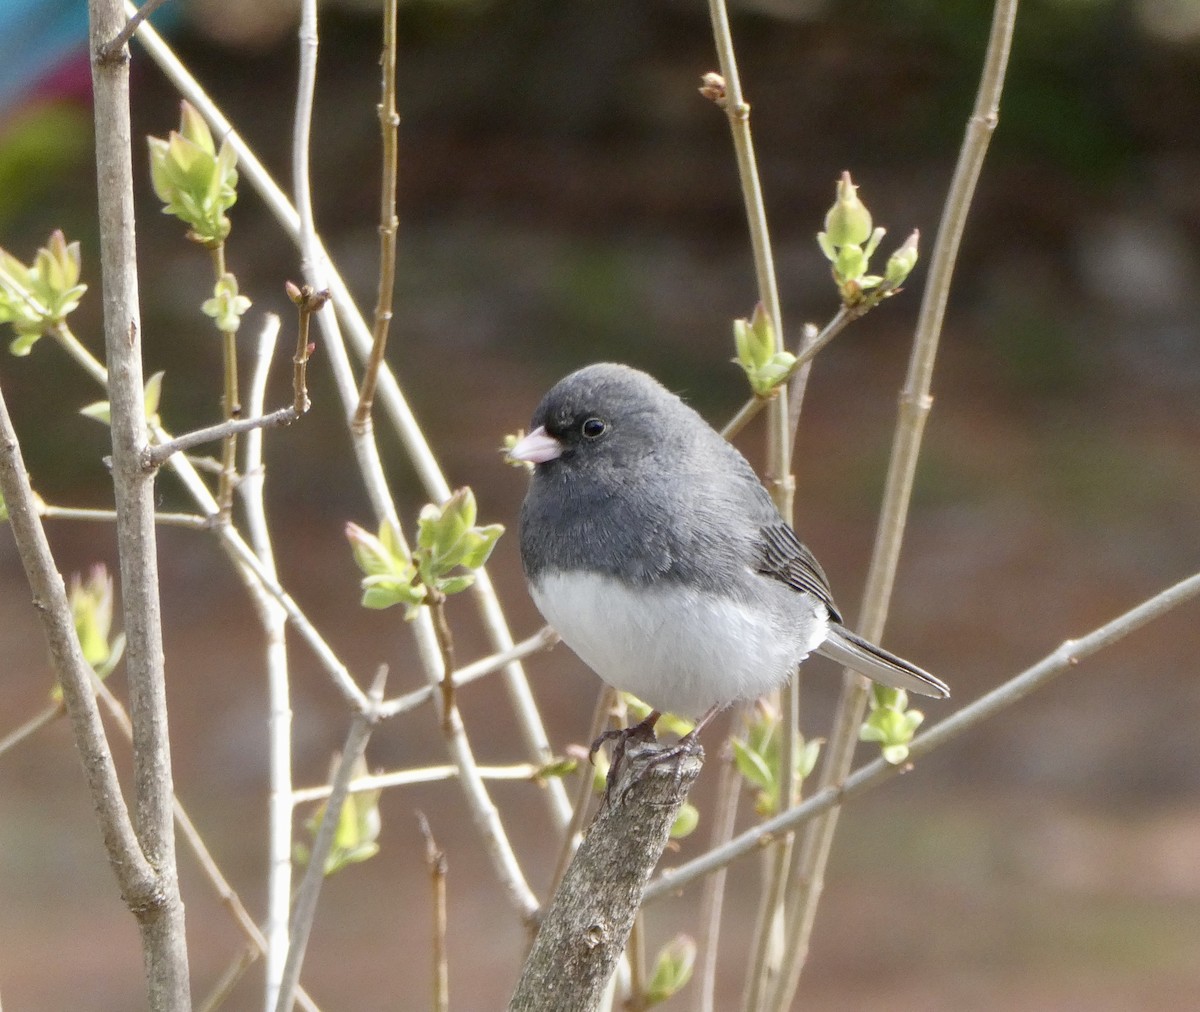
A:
37, 39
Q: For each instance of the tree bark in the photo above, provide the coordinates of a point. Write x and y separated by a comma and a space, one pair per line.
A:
159, 915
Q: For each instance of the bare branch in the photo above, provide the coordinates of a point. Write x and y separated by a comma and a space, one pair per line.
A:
389, 121
160, 915
135, 875
112, 48
157, 455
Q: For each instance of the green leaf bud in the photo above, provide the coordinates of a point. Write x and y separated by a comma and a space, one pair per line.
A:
901, 263
848, 222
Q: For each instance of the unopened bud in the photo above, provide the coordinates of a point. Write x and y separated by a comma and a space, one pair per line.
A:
848, 221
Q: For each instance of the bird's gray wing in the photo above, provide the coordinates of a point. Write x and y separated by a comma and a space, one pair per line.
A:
784, 557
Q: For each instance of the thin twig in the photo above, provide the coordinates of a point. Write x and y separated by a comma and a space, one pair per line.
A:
778, 477
158, 454
445, 640
307, 301
435, 857
389, 121
723, 818
915, 403
543, 639
423, 775
273, 619
227, 482
31, 726
229, 979
110, 49
584, 790
192, 521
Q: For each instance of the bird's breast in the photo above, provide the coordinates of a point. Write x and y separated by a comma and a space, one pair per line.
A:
679, 648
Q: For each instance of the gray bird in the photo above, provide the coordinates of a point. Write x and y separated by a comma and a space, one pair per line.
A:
654, 551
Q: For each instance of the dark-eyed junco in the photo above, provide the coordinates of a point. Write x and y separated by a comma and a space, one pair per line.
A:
652, 548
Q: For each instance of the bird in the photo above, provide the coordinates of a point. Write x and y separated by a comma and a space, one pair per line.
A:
651, 547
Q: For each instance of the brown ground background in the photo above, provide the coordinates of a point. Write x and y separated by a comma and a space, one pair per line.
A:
567, 197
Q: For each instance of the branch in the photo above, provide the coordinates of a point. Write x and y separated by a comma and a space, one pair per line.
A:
388, 223
161, 918
1068, 655
112, 49
543, 639
157, 455
137, 879
588, 922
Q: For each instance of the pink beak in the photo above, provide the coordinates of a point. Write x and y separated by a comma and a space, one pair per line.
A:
537, 448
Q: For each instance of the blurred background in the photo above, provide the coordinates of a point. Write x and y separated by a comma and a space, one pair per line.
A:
567, 196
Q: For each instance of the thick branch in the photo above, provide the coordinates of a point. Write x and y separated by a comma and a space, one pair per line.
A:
136, 878
161, 920
585, 929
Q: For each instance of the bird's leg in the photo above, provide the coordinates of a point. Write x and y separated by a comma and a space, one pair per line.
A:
688, 745
643, 731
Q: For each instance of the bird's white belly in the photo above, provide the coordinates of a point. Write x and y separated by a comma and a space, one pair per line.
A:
681, 650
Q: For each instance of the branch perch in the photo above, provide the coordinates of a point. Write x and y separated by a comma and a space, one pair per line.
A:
585, 929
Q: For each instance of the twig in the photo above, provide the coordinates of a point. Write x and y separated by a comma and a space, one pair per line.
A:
228, 980
437, 611
273, 619
305, 907
157, 455
585, 928
227, 480
307, 302
915, 403
543, 639
111, 48
584, 790
161, 918
388, 222
423, 775
778, 477
31, 726
192, 521
435, 857
724, 818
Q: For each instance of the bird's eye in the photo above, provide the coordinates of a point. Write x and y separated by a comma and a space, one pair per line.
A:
594, 428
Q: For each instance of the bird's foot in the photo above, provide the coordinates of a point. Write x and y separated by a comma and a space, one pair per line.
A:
626, 745
641, 733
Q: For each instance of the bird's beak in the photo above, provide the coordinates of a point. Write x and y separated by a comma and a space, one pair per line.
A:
537, 448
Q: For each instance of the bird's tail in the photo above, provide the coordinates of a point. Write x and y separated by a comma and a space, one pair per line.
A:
853, 651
